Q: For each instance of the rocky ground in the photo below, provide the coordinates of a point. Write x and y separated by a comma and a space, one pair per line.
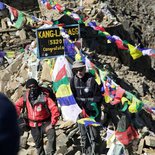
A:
133, 21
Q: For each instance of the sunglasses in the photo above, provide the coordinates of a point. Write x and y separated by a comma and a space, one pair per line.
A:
79, 69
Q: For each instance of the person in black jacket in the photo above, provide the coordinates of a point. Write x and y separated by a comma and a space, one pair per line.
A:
88, 96
9, 131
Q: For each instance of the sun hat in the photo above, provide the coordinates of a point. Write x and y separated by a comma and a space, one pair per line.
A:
78, 64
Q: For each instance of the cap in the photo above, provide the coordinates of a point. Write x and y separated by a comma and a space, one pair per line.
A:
30, 82
78, 64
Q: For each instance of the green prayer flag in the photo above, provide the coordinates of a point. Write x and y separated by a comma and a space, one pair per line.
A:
129, 95
56, 22
125, 107
101, 33
92, 71
22, 50
60, 82
139, 106
95, 108
80, 21
51, 2
125, 42
20, 20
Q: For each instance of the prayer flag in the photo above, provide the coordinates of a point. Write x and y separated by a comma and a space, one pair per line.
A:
20, 20
70, 109
2, 6
61, 74
134, 52
88, 122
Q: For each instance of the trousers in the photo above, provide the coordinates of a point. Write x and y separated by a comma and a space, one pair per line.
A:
38, 135
90, 139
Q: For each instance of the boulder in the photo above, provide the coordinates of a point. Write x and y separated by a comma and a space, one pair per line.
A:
150, 141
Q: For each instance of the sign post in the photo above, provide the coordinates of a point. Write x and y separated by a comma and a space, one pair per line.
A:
50, 41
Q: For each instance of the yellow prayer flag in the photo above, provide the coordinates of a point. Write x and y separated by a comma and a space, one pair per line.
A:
108, 41
124, 99
10, 54
106, 33
68, 13
133, 107
97, 79
81, 121
103, 74
107, 99
29, 21
78, 57
63, 91
134, 52
110, 140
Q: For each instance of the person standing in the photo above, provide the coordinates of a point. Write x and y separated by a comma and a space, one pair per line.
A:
42, 115
9, 131
88, 96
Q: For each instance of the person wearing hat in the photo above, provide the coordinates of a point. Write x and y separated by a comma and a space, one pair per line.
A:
42, 115
9, 131
88, 96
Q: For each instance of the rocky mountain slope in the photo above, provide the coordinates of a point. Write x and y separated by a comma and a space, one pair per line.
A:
131, 20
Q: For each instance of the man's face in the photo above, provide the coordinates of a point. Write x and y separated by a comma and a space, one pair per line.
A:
33, 91
80, 72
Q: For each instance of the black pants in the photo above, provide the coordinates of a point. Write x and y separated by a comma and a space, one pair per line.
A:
90, 139
37, 134
112, 114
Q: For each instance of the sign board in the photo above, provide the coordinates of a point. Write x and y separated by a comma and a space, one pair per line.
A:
51, 43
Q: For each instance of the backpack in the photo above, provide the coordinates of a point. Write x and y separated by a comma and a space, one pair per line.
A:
89, 106
88, 84
47, 91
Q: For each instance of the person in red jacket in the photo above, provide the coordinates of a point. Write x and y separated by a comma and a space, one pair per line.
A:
42, 115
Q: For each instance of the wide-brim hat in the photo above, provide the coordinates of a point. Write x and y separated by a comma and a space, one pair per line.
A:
78, 64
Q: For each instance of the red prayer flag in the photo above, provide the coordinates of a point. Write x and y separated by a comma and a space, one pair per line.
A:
99, 28
120, 45
61, 74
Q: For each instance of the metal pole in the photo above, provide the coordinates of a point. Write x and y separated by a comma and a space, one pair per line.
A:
90, 140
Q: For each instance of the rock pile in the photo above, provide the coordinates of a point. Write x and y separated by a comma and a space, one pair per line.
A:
13, 39
67, 140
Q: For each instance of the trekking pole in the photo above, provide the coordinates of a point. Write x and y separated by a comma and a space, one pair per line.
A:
92, 141
89, 138
82, 143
